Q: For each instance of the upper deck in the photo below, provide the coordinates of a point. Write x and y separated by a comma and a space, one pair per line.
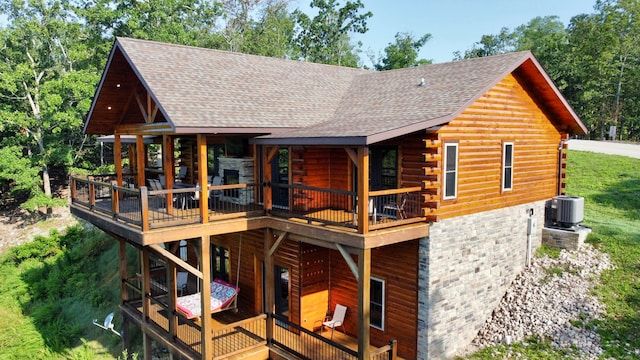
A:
147, 217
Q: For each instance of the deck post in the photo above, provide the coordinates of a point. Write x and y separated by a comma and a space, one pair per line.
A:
363, 190
171, 299
203, 178
144, 208
140, 160
364, 303
169, 170
117, 157
146, 283
269, 301
122, 266
205, 266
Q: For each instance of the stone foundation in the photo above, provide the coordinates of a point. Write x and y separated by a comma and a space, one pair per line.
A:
466, 265
568, 239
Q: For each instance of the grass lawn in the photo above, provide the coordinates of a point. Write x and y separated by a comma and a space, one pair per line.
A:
610, 186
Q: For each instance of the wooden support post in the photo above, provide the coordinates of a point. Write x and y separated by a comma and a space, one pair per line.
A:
205, 286
172, 291
122, 266
117, 157
169, 169
92, 193
364, 303
141, 160
267, 156
269, 297
144, 207
203, 178
146, 343
363, 190
146, 283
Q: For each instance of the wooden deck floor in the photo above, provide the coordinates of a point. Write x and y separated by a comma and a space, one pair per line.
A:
227, 340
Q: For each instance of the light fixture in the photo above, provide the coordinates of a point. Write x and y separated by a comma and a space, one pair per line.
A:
108, 107
117, 85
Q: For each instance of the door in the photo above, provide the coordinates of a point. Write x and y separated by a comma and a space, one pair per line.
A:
383, 167
280, 176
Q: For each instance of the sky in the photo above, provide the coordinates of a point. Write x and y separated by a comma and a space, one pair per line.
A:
455, 25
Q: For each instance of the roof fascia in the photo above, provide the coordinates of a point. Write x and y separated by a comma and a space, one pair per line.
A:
558, 94
144, 83
228, 130
99, 88
302, 141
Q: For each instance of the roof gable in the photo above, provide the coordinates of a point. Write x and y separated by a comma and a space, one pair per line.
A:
206, 91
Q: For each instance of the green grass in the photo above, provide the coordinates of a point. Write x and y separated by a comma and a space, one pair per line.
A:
610, 186
50, 291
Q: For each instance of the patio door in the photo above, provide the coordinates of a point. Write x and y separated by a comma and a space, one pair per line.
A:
383, 167
280, 176
280, 290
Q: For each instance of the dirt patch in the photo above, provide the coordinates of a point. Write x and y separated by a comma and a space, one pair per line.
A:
18, 226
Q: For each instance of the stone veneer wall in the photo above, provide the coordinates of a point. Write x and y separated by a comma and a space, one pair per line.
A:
466, 265
245, 172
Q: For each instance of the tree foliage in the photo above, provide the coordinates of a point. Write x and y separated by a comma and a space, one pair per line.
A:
325, 38
403, 53
594, 61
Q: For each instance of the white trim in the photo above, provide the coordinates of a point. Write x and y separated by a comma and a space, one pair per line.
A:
455, 172
505, 167
384, 289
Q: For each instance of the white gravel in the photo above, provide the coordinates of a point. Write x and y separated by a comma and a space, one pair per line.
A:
551, 299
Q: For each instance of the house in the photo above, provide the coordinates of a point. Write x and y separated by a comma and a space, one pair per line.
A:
403, 195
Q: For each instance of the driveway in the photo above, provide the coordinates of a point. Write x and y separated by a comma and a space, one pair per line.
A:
606, 147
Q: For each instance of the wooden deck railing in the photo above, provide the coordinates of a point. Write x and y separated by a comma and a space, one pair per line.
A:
307, 344
150, 209
386, 208
239, 336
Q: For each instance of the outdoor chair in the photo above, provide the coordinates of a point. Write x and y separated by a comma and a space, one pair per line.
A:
337, 320
396, 209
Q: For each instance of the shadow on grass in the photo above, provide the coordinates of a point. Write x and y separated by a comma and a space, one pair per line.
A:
623, 195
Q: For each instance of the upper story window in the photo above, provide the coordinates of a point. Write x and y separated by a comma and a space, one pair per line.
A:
507, 166
377, 303
450, 170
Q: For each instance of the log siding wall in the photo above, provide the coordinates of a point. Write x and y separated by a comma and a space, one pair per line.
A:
506, 113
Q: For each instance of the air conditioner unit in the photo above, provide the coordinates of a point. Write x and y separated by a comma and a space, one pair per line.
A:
569, 210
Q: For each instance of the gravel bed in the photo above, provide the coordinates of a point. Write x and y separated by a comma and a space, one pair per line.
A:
551, 299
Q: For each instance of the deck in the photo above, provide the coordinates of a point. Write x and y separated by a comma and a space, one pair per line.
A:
236, 332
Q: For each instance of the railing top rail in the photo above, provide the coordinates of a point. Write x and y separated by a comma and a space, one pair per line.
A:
395, 191
239, 323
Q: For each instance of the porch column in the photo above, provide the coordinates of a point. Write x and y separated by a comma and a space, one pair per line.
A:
269, 298
122, 267
205, 286
363, 190
202, 178
267, 156
168, 167
146, 299
117, 157
364, 303
140, 160
171, 298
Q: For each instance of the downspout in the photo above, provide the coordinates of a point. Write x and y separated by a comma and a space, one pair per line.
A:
560, 147
532, 223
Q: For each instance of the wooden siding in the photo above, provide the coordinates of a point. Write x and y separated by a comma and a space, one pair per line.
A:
252, 256
315, 270
506, 113
397, 265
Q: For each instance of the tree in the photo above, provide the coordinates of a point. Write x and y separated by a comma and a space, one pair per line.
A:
403, 53
43, 90
325, 38
489, 45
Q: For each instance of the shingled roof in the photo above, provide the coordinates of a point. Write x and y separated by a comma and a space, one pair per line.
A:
211, 91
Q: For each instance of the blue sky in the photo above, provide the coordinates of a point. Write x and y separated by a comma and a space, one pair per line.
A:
454, 24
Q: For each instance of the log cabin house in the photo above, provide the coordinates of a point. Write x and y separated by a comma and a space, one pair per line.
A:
403, 195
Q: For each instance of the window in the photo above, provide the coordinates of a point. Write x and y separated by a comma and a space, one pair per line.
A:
450, 170
220, 262
377, 303
507, 166
183, 250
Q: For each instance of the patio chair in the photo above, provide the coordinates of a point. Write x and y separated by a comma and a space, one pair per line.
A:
337, 320
182, 173
396, 208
